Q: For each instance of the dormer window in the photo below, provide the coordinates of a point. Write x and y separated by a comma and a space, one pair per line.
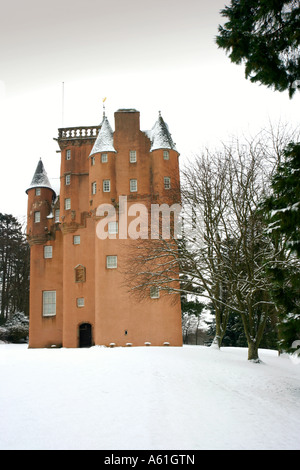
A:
68, 155
132, 156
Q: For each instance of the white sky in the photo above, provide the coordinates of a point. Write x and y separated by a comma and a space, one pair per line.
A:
158, 55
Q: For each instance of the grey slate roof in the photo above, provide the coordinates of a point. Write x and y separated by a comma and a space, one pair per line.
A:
105, 139
40, 178
160, 136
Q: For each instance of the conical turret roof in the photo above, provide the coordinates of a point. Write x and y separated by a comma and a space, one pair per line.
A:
160, 136
40, 178
105, 139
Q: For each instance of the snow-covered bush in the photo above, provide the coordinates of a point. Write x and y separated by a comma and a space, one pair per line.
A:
16, 329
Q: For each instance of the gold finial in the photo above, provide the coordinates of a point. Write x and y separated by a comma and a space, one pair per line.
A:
103, 101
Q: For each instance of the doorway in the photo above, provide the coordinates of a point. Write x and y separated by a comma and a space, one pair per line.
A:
85, 335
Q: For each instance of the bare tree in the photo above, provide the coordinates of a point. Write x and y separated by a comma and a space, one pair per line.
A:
223, 251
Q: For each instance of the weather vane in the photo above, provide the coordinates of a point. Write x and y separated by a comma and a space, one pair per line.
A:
103, 101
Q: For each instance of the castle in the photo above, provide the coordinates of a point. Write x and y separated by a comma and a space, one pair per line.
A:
77, 292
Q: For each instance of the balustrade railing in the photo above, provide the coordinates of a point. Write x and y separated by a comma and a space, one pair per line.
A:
67, 133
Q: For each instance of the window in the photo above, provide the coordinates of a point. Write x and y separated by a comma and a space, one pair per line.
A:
94, 187
132, 156
104, 158
133, 186
49, 303
93, 161
76, 239
80, 302
37, 217
68, 155
112, 227
167, 182
154, 292
68, 179
37, 191
57, 212
47, 251
67, 203
106, 186
80, 273
111, 262
166, 155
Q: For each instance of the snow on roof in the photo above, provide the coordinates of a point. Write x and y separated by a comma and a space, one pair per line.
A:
160, 136
127, 110
40, 178
105, 139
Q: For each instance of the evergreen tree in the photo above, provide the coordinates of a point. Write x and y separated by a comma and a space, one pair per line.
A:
265, 34
191, 311
14, 268
283, 217
235, 334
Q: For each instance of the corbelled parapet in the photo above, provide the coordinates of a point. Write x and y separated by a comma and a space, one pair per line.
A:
77, 135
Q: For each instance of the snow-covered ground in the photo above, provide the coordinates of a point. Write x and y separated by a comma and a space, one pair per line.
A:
147, 398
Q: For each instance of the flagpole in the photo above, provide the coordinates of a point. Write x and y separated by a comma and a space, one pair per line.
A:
63, 104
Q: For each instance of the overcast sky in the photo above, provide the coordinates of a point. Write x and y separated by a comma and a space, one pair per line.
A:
157, 55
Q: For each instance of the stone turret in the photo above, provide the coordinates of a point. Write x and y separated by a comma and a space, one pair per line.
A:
105, 139
102, 162
40, 197
165, 165
160, 136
